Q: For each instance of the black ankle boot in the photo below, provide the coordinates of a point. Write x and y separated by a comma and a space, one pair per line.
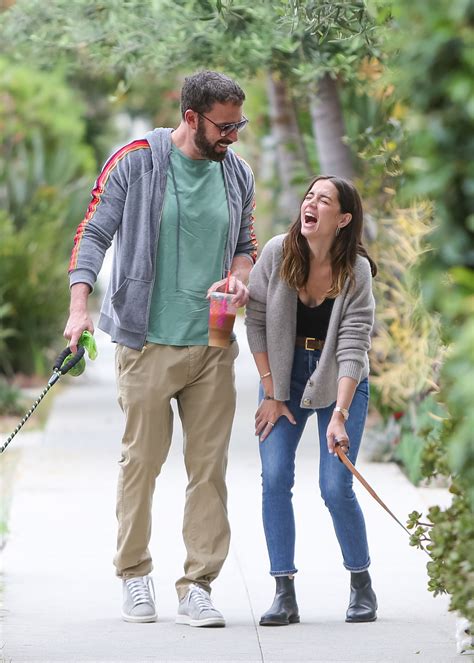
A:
362, 602
284, 609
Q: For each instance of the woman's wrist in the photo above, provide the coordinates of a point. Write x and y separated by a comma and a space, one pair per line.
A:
267, 385
341, 412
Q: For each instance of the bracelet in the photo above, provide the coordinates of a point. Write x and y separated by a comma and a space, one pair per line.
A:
268, 398
265, 375
344, 411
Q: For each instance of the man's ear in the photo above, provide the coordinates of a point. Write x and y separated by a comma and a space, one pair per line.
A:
191, 118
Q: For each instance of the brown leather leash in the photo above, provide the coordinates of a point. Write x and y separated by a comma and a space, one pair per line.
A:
344, 459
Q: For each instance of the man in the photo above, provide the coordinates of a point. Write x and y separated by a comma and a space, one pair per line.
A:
180, 205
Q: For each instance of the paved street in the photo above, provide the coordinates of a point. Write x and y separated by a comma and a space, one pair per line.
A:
62, 601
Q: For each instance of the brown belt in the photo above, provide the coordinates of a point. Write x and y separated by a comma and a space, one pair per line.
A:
309, 343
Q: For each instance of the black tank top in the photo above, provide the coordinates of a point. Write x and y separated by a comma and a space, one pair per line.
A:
313, 321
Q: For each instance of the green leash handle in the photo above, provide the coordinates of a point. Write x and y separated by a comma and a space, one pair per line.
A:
75, 359
58, 371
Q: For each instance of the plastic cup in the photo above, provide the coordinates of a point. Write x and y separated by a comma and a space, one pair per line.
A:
221, 319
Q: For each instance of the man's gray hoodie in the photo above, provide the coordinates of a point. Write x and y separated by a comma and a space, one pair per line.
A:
127, 202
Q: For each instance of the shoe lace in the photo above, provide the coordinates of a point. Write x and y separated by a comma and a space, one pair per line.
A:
139, 589
201, 597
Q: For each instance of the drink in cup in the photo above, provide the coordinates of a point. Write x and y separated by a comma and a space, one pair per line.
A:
221, 319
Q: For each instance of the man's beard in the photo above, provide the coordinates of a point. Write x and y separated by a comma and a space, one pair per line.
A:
206, 148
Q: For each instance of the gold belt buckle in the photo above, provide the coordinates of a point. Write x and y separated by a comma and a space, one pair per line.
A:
308, 338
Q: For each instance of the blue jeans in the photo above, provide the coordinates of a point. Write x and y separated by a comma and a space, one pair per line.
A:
278, 453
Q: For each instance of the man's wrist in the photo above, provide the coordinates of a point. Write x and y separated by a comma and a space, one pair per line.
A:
79, 308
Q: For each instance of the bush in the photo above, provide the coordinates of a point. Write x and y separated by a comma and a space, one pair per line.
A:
406, 349
33, 271
419, 427
436, 71
45, 174
10, 399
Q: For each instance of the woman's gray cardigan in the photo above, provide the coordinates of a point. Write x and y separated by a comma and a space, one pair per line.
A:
271, 327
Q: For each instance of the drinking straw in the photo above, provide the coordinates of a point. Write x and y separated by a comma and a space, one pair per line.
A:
227, 282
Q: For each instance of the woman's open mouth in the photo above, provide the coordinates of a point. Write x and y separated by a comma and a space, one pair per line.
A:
310, 221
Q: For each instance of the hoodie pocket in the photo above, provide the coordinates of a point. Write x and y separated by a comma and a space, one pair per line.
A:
130, 304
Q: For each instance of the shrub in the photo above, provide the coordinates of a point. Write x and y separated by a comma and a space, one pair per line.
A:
44, 167
442, 129
33, 274
10, 399
406, 348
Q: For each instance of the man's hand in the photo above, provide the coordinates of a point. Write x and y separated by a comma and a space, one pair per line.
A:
236, 288
78, 322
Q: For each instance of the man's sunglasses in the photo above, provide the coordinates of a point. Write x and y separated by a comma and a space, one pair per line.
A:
227, 129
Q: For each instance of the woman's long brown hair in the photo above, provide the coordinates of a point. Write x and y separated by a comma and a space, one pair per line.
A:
346, 246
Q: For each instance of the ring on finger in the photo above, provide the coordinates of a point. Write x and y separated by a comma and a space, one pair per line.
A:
270, 423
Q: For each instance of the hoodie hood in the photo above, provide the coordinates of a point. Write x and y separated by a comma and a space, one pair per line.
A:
160, 143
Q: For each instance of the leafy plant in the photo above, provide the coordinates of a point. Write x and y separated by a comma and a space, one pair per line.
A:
5, 332
419, 427
406, 349
42, 143
10, 399
43, 166
33, 270
451, 567
441, 126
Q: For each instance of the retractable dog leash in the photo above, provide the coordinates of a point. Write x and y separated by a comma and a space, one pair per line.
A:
59, 369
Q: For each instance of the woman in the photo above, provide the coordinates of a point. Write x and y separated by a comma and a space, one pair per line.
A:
309, 320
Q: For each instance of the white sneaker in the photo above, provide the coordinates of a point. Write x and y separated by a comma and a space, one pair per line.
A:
138, 600
196, 609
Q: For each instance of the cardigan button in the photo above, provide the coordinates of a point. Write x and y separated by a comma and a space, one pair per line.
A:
307, 401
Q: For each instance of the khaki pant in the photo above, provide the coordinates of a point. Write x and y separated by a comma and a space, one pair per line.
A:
201, 379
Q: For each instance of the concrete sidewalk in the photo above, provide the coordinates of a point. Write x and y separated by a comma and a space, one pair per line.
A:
62, 601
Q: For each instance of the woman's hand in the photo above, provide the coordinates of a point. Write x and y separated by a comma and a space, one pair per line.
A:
268, 413
337, 433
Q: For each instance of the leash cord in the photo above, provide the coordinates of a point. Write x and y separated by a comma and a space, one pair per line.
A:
344, 459
53, 379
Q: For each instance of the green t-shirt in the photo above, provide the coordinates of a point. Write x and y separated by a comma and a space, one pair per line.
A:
190, 256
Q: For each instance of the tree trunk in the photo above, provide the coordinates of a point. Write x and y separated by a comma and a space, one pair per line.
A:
288, 145
328, 127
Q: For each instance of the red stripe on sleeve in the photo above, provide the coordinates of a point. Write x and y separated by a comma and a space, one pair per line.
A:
253, 236
97, 192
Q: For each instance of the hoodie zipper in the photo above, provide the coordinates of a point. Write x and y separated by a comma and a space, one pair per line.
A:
158, 225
